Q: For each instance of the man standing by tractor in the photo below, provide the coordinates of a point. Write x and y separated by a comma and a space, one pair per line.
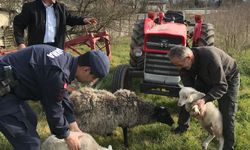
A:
42, 72
211, 71
46, 21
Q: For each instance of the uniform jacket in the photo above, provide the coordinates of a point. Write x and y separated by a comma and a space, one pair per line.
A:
213, 68
33, 16
43, 73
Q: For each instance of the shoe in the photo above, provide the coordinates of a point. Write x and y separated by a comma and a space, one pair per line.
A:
180, 129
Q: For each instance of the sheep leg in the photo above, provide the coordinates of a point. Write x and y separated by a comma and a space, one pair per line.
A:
221, 141
207, 141
125, 136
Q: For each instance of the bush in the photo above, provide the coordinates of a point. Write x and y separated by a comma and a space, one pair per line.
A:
232, 26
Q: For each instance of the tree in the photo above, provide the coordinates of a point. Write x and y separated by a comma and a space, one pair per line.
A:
13, 5
107, 12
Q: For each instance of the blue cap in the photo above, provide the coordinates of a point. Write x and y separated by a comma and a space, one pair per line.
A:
99, 63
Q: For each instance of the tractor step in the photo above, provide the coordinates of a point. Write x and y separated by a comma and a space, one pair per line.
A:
160, 89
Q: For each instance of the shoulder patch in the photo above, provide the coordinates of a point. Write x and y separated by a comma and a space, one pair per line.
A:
55, 53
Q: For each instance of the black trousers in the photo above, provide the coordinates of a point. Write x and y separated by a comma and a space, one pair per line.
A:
227, 107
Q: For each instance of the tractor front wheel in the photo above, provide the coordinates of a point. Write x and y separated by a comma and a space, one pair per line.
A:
121, 79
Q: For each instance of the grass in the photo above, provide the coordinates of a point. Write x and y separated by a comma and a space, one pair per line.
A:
158, 136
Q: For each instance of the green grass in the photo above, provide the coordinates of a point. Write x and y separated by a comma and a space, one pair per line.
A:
158, 136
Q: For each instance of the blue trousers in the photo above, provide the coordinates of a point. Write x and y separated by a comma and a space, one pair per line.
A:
18, 123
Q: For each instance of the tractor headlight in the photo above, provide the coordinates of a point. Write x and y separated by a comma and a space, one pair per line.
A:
138, 52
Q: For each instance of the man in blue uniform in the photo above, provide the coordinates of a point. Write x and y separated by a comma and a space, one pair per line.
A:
42, 72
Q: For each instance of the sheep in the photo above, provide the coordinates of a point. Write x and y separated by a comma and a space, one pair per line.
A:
100, 112
87, 142
212, 118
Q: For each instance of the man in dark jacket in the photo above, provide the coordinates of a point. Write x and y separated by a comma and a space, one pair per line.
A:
212, 71
46, 21
43, 72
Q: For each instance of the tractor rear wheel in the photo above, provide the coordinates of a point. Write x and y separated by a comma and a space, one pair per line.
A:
207, 35
121, 78
136, 46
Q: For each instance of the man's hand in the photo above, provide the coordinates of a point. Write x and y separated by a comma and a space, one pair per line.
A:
21, 46
201, 105
90, 21
73, 140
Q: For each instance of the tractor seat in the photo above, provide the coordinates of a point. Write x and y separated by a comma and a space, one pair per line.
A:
176, 16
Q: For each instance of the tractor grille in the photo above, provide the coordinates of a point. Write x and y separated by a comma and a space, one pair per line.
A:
160, 64
163, 39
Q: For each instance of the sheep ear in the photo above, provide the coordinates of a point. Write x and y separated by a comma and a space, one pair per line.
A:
197, 95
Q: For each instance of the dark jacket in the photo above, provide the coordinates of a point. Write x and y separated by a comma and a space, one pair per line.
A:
213, 68
33, 16
43, 73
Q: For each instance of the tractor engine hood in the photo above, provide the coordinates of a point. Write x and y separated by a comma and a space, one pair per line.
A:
164, 35
169, 28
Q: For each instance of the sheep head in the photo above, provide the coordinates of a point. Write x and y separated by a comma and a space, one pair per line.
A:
162, 115
187, 95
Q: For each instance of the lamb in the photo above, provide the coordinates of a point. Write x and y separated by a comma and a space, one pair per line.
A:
212, 118
100, 112
87, 142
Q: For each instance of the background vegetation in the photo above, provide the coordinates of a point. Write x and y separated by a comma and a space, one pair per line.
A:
232, 35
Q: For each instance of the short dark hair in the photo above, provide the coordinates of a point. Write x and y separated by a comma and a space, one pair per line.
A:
83, 59
98, 62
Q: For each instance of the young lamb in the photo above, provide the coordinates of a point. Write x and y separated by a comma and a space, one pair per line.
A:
87, 142
212, 118
101, 112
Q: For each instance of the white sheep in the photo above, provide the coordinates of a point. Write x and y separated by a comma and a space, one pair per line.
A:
87, 142
212, 118
101, 112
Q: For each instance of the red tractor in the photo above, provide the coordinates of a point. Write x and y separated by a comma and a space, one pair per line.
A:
150, 43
